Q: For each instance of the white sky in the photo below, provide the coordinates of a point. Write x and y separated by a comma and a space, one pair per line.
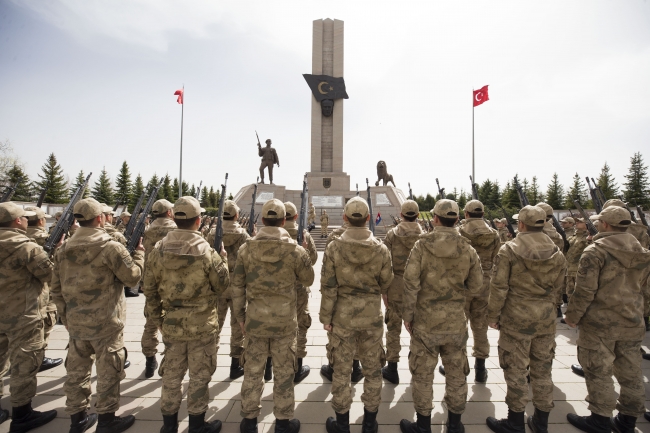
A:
93, 81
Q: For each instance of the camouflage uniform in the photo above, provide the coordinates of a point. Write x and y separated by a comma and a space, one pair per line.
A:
578, 242
312, 214
114, 234
324, 222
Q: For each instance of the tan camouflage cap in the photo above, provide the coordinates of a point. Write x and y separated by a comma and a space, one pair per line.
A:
230, 208
273, 210
474, 206
290, 209
39, 213
614, 202
87, 209
58, 214
533, 216
569, 220
186, 208
162, 206
496, 220
107, 209
9, 211
356, 207
445, 208
503, 221
614, 216
410, 208
546, 208
125, 214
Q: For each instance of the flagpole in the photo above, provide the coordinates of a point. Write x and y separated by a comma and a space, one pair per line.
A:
473, 173
180, 174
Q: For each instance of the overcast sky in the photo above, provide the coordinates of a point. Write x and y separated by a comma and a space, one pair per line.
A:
93, 82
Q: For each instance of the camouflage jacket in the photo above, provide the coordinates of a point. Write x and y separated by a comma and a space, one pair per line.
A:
608, 298
441, 272
90, 272
571, 231
487, 242
336, 233
156, 231
39, 235
640, 232
356, 271
504, 234
292, 228
184, 277
399, 241
264, 283
578, 242
25, 270
324, 219
234, 236
526, 282
114, 234
552, 233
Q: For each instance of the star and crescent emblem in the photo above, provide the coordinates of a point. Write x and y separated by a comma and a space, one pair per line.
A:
326, 87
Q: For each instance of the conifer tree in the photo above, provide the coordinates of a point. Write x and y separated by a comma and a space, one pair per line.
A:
168, 191
136, 192
607, 183
636, 184
577, 191
462, 200
123, 184
52, 177
24, 190
80, 179
204, 197
555, 193
153, 182
534, 193
174, 190
102, 191
510, 199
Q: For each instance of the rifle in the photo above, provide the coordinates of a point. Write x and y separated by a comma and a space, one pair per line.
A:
251, 224
258, 140
410, 192
491, 220
441, 191
598, 206
203, 220
138, 230
632, 216
135, 214
599, 190
357, 190
118, 202
372, 220
198, 191
429, 221
303, 211
644, 221
508, 224
474, 189
523, 200
394, 220
41, 197
9, 192
218, 234
561, 231
591, 228
67, 219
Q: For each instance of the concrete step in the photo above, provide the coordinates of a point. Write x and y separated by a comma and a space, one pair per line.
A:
380, 233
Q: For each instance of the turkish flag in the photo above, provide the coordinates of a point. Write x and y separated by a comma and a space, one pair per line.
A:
481, 95
180, 96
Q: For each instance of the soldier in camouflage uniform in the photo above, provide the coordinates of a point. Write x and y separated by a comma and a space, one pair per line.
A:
109, 214
302, 296
577, 244
324, 222
608, 305
25, 270
356, 273
569, 226
125, 217
527, 278
90, 271
264, 300
184, 278
399, 241
312, 214
441, 273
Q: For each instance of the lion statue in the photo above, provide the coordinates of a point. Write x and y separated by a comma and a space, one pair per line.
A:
382, 174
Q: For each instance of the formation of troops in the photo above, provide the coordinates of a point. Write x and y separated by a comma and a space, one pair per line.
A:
433, 278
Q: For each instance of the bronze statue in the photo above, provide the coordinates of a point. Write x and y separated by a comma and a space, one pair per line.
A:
269, 157
382, 174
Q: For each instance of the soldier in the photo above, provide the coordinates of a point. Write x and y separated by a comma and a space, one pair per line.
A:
324, 222
551, 232
302, 296
162, 224
399, 241
577, 244
608, 305
312, 214
36, 231
57, 217
501, 225
264, 299
234, 236
569, 226
90, 271
25, 269
125, 217
356, 273
527, 278
184, 278
442, 269
108, 225
269, 157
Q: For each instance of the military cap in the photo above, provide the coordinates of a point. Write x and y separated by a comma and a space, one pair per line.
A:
125, 214
58, 214
503, 221
445, 208
39, 213
162, 206
410, 208
356, 207
580, 220
496, 220
474, 206
291, 210
186, 208
614, 202
273, 210
9, 211
107, 209
568, 220
533, 216
230, 208
614, 216
546, 208
87, 209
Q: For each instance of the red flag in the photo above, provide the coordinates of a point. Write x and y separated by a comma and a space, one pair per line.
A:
481, 95
180, 96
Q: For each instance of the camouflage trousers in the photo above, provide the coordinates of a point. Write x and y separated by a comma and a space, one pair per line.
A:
570, 284
516, 353
600, 359
236, 336
22, 351
476, 312
109, 354
256, 351
343, 345
323, 229
200, 357
304, 321
393, 319
149, 340
48, 324
423, 357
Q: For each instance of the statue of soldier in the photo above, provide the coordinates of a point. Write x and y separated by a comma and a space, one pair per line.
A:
269, 157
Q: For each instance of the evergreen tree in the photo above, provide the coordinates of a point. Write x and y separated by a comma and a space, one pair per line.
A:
636, 186
534, 194
192, 191
510, 199
153, 182
494, 198
186, 189
577, 191
462, 200
555, 193
607, 183
204, 197
102, 191
136, 192
52, 177
24, 190
123, 184
81, 178
169, 192
212, 198
174, 190
526, 187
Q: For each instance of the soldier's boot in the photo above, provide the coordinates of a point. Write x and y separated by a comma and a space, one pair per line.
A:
339, 425
357, 373
389, 372
565, 298
24, 418
441, 369
647, 323
268, 370
287, 426
109, 423
454, 425
50, 363
513, 424
81, 421
622, 423
170, 424
480, 372
559, 312
199, 425
538, 423
646, 356
422, 425
127, 364
577, 369
370, 424
327, 371
131, 293
248, 425
150, 366
4, 415
647, 416
236, 371
593, 423
303, 371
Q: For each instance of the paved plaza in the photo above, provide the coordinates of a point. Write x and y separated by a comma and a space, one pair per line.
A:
140, 396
